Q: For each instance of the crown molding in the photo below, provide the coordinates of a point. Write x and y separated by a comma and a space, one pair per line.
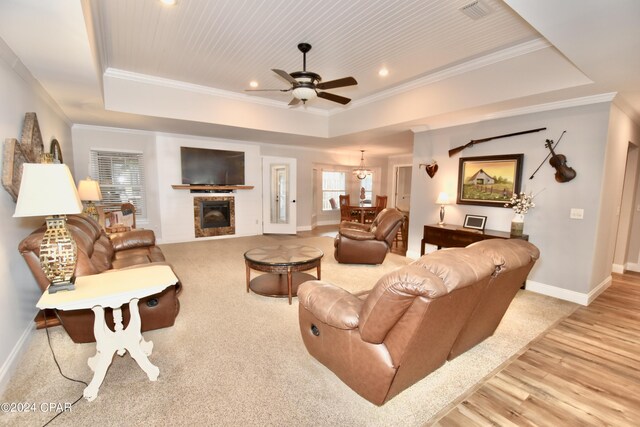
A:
205, 90
549, 106
462, 68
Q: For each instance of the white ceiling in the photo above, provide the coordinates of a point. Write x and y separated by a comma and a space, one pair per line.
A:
138, 64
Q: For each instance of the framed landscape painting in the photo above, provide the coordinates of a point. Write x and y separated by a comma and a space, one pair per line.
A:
489, 180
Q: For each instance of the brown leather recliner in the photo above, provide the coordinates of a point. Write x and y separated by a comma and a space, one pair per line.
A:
415, 318
98, 253
358, 243
513, 259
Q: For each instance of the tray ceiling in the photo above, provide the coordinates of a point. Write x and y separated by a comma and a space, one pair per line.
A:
226, 44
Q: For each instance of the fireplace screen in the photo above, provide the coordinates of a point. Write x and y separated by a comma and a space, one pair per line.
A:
215, 214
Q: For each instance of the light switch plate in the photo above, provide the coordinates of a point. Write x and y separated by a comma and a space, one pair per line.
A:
576, 213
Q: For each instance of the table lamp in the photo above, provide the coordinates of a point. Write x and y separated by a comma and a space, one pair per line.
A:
49, 190
89, 192
443, 199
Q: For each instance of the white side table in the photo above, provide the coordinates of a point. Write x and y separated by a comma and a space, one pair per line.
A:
114, 289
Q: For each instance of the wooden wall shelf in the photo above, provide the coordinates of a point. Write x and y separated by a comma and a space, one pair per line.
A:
211, 187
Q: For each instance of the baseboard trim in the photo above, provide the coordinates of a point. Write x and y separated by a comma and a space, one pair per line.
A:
304, 228
329, 222
9, 365
632, 266
617, 268
599, 289
566, 294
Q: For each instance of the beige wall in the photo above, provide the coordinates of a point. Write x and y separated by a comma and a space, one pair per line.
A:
18, 290
572, 259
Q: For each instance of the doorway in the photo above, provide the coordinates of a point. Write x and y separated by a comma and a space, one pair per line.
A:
402, 187
626, 249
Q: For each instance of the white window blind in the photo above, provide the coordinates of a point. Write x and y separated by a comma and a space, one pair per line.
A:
333, 185
121, 178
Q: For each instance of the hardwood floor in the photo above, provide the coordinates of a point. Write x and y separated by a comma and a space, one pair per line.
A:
583, 372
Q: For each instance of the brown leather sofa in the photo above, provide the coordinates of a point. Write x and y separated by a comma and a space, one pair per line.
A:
358, 243
415, 318
98, 253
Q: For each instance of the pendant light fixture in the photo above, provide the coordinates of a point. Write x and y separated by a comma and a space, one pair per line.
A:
361, 172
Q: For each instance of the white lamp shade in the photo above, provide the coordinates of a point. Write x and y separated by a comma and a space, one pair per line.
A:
89, 190
303, 92
47, 189
443, 199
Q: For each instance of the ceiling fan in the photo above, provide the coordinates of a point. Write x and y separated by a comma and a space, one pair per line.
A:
305, 85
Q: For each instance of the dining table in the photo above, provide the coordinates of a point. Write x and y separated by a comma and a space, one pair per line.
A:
362, 213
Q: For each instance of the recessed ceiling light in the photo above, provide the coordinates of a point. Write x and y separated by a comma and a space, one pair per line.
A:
169, 2
383, 72
253, 83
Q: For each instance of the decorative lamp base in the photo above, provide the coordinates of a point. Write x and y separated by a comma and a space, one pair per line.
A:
62, 286
91, 210
441, 222
58, 253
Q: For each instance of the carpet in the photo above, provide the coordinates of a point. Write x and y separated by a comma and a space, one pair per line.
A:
234, 358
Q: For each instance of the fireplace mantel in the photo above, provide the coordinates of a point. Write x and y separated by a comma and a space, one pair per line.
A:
211, 187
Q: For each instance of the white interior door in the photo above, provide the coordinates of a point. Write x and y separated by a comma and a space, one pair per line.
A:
279, 195
403, 188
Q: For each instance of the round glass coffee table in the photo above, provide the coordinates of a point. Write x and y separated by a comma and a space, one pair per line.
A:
285, 264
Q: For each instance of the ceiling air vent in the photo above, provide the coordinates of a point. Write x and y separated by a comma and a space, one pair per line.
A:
476, 9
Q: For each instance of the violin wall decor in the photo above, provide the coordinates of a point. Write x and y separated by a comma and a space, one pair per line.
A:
564, 173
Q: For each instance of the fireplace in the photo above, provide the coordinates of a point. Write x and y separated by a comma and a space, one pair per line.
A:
213, 216
214, 213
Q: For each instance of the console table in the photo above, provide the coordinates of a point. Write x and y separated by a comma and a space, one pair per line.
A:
455, 236
114, 289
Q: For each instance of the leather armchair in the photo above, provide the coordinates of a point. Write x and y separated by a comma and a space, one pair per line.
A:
358, 243
382, 342
98, 253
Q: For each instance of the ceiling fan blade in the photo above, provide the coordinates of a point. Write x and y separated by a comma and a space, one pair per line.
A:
332, 84
294, 101
335, 98
268, 90
285, 76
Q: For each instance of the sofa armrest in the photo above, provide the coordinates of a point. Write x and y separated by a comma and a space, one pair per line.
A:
330, 304
132, 239
355, 234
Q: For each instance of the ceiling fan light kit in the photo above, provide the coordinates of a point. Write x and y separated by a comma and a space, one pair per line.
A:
305, 92
305, 84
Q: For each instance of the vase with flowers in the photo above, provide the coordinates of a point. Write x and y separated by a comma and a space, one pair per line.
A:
520, 203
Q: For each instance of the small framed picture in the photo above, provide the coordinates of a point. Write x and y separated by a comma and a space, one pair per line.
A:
476, 222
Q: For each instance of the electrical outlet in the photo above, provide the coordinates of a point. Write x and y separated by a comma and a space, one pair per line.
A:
576, 213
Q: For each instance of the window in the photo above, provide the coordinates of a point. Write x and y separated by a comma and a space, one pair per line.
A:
121, 178
333, 186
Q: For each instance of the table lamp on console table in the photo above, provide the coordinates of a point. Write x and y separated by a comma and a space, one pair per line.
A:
443, 199
89, 191
49, 190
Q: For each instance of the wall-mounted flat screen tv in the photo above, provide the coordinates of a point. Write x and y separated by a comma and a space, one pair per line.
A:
202, 166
